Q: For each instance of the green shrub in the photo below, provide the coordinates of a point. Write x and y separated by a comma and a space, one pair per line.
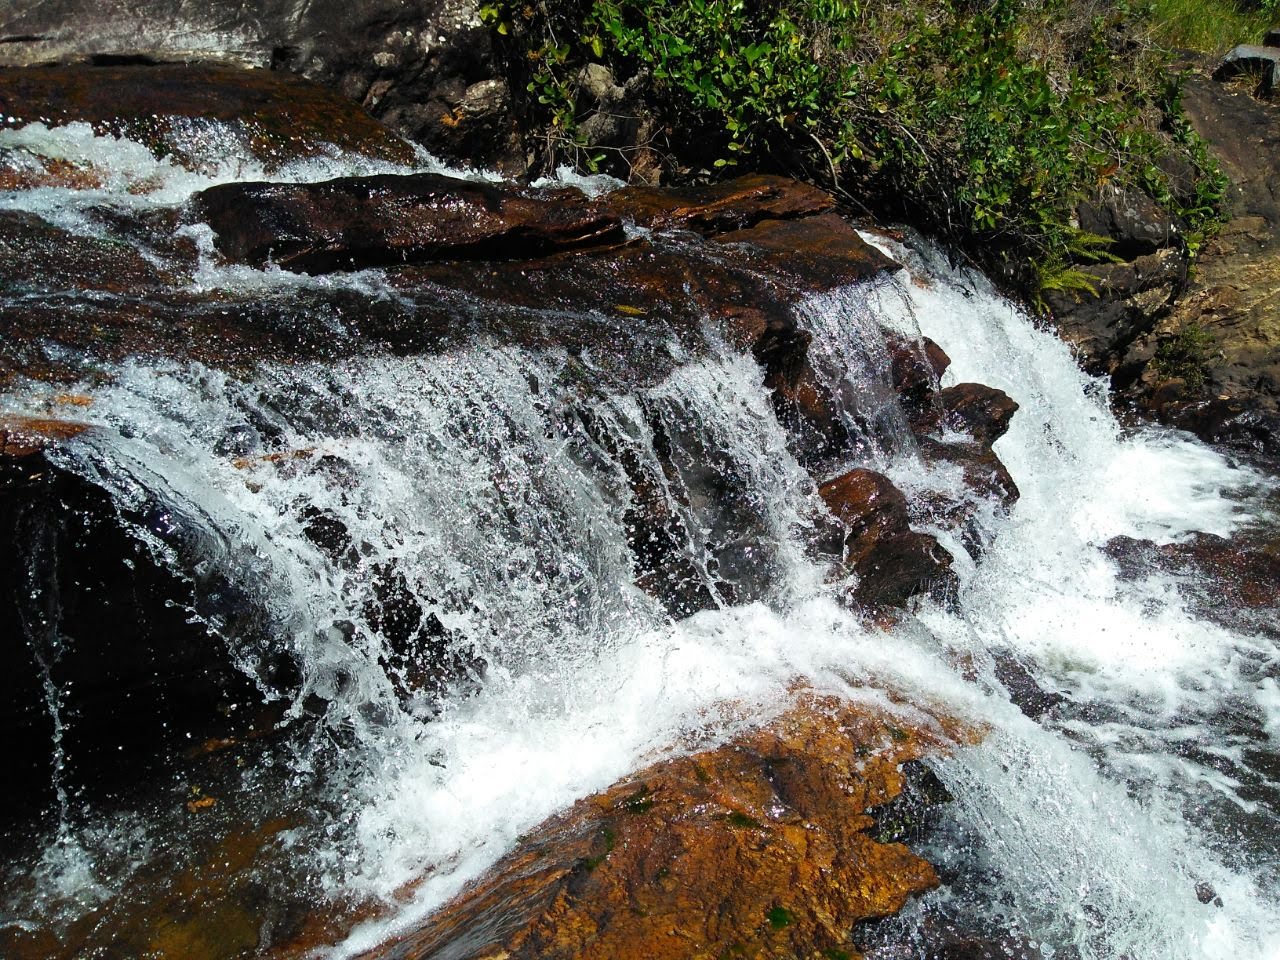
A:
967, 116
1185, 356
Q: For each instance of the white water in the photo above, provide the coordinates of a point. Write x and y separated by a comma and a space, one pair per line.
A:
467, 473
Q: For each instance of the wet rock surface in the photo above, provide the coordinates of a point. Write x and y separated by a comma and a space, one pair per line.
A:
423, 67
94, 613
357, 222
759, 848
1229, 581
891, 561
272, 117
441, 264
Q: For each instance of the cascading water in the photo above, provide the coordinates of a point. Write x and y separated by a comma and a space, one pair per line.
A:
442, 547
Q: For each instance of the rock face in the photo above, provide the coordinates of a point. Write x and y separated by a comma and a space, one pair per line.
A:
91, 611
760, 848
1213, 365
1202, 353
424, 67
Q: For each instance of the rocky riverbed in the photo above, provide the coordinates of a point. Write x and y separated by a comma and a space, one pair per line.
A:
317, 456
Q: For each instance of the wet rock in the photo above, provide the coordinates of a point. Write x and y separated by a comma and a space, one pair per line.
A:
417, 65
983, 472
760, 847
817, 253
661, 543
356, 222
1241, 575
234, 888
92, 612
982, 412
37, 257
940, 938
27, 436
916, 367
1136, 224
173, 109
892, 562
731, 205
1232, 583
23, 170
1024, 692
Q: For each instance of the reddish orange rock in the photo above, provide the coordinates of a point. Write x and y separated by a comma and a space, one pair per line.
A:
760, 848
24, 436
731, 205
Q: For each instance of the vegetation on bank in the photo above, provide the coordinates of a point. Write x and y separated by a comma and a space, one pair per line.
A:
985, 121
1210, 26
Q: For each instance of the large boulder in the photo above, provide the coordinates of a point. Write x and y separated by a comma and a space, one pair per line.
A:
355, 222
106, 672
762, 847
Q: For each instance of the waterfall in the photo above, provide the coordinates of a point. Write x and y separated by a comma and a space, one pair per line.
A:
442, 547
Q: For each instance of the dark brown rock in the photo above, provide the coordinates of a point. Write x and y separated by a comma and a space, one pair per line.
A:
984, 473
1242, 575
1131, 298
38, 257
355, 222
273, 117
893, 562
982, 412
1134, 223
817, 253
916, 367
759, 848
26, 436
92, 612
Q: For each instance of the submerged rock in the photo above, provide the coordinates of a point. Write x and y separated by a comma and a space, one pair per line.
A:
761, 847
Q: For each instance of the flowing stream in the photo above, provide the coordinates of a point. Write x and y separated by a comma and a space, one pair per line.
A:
471, 485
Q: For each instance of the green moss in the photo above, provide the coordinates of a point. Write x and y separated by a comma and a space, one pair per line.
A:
738, 819
638, 802
779, 918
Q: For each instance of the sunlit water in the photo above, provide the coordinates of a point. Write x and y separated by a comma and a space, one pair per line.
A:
472, 476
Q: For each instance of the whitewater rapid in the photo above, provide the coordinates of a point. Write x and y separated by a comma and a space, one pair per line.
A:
1087, 831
